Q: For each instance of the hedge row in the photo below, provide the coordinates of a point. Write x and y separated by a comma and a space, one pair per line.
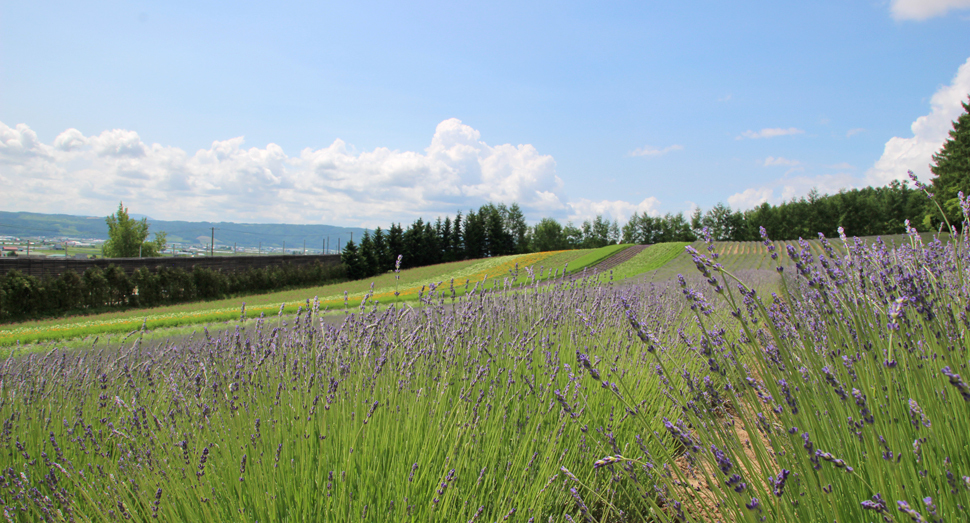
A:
28, 297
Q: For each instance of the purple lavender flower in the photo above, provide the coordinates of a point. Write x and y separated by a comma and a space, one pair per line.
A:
905, 508
916, 415
608, 460
579, 502
957, 382
723, 462
584, 361
681, 435
839, 463
736, 482
779, 482
877, 504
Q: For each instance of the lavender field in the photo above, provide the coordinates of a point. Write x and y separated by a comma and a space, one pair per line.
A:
843, 397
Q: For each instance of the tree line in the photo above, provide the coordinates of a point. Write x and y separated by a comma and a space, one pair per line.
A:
492, 230
23, 296
497, 229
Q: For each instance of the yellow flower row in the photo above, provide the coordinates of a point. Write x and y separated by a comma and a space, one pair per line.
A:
489, 268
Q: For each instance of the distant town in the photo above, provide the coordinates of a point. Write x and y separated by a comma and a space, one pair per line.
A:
89, 248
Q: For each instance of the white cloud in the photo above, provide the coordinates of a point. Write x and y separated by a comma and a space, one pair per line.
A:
771, 161
769, 133
86, 175
929, 133
647, 150
852, 132
334, 184
785, 189
924, 9
611, 209
749, 198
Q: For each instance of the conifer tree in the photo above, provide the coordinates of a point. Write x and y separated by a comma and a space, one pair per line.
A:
351, 260
951, 167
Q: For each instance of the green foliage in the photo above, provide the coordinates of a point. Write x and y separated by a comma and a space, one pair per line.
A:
547, 235
650, 259
951, 167
595, 256
128, 238
23, 297
648, 230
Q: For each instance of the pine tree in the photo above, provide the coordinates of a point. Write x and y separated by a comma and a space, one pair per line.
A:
351, 260
951, 167
384, 260
368, 256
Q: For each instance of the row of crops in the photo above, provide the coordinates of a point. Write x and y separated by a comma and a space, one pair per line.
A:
843, 397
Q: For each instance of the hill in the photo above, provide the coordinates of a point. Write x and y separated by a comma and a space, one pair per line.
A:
36, 225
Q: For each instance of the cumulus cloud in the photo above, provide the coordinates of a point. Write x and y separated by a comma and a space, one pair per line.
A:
924, 9
785, 189
749, 198
769, 133
584, 209
647, 150
929, 133
771, 161
78, 174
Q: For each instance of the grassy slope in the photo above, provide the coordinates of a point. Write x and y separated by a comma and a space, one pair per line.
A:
657, 263
409, 284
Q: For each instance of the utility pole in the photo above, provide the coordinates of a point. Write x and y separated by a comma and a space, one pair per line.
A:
284, 247
260, 251
233, 248
304, 246
328, 245
212, 245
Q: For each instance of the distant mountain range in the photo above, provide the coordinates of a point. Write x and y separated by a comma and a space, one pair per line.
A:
36, 225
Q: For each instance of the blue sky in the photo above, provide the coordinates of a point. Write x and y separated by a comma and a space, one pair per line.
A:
360, 113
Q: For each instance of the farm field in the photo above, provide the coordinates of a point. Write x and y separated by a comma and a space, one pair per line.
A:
407, 285
657, 264
569, 402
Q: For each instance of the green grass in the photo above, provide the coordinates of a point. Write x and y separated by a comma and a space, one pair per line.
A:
399, 417
649, 260
491, 272
595, 256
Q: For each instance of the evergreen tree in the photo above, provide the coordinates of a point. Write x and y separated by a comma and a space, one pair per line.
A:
951, 168
395, 244
474, 236
368, 257
413, 244
351, 260
431, 242
457, 237
384, 260
444, 239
